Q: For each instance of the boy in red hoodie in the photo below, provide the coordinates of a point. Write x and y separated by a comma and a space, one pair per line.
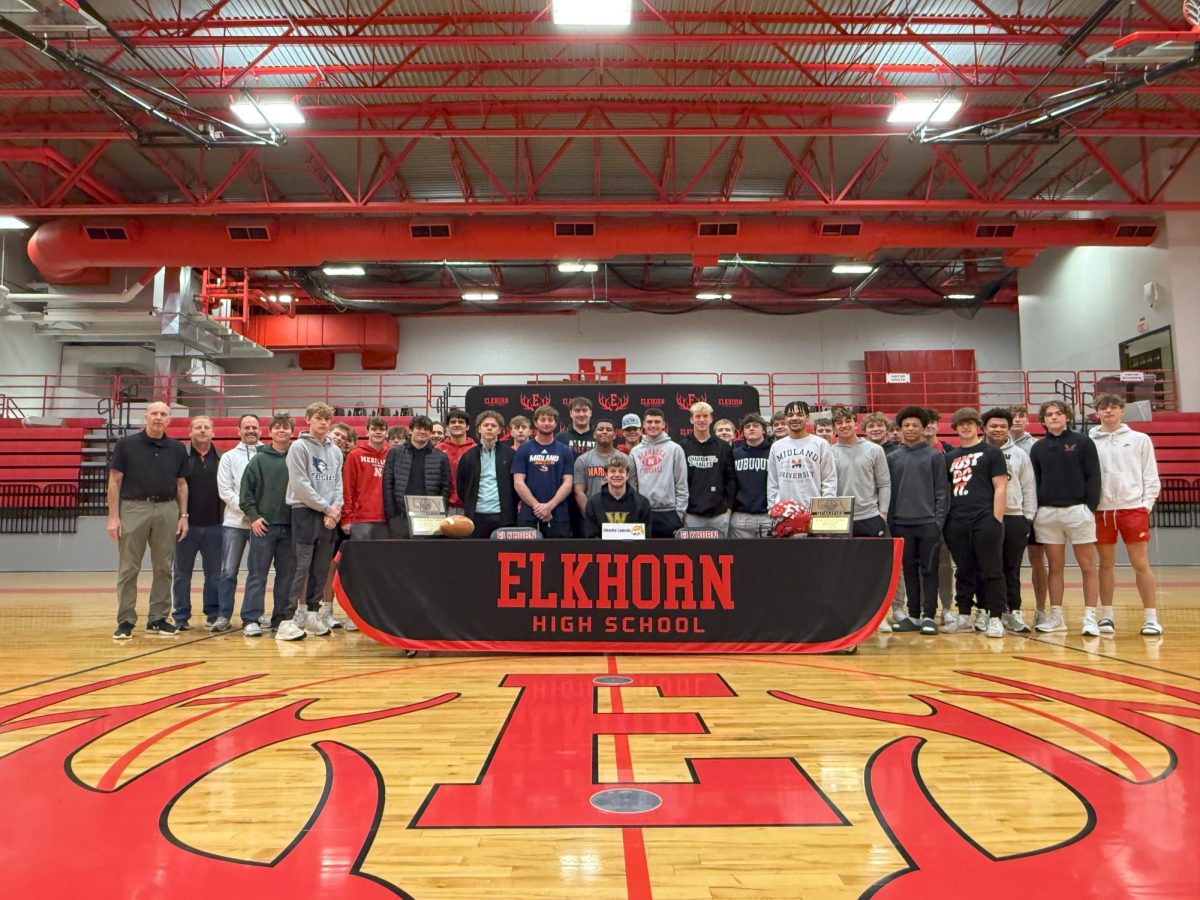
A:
454, 446
362, 485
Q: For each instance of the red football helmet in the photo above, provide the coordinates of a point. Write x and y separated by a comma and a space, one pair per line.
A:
789, 518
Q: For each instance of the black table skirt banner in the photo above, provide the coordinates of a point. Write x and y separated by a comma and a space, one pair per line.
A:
800, 595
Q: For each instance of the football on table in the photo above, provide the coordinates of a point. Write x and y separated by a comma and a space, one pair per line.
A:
457, 527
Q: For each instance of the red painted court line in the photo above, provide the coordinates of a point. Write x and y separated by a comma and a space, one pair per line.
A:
637, 867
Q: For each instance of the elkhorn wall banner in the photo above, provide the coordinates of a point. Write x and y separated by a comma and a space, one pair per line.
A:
801, 595
612, 401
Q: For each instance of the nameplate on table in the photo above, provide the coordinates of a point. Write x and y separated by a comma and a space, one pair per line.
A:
623, 531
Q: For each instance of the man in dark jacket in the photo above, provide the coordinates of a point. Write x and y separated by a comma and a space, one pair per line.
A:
484, 478
920, 495
1066, 467
416, 469
712, 482
750, 456
615, 503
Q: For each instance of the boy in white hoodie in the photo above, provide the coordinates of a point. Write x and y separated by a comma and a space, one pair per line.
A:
1129, 486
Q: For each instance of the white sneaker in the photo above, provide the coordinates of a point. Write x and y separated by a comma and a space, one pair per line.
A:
315, 625
1039, 616
953, 622
980, 619
1054, 621
1151, 629
300, 616
252, 629
995, 628
325, 614
350, 626
1091, 627
1107, 626
265, 623
1016, 623
219, 624
287, 631
885, 626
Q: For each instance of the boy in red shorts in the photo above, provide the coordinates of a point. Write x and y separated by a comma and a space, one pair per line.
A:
1128, 488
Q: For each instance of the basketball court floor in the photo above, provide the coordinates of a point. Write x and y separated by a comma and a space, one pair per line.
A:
950, 766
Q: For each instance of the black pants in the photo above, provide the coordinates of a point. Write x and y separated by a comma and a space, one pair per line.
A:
872, 527
555, 528
485, 524
1016, 536
664, 523
977, 546
921, 545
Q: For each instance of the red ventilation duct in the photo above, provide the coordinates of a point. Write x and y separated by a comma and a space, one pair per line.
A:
61, 248
317, 337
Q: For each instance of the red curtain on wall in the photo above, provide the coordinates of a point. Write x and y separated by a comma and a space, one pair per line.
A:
942, 379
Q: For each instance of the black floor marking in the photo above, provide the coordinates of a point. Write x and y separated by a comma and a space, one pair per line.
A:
174, 645
1127, 662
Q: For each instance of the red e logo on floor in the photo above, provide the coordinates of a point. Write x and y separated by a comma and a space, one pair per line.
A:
542, 769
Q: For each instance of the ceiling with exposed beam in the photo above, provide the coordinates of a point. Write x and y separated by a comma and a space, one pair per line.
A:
438, 111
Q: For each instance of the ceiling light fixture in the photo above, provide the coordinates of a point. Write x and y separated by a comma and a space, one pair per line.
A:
610, 13
924, 112
572, 268
285, 298
12, 223
853, 269
959, 297
343, 270
710, 295
480, 295
268, 112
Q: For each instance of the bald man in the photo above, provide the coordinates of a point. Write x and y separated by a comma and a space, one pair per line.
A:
147, 504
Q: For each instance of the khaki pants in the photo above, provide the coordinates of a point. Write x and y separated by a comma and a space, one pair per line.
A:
142, 522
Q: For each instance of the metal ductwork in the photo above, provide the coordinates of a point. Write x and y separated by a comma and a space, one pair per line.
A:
375, 336
62, 248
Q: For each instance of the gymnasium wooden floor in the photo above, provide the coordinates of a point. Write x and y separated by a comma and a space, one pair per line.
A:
228, 767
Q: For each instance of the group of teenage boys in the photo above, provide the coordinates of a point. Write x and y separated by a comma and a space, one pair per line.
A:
985, 501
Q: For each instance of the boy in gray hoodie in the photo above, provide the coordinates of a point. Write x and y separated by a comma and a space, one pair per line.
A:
661, 475
314, 494
920, 496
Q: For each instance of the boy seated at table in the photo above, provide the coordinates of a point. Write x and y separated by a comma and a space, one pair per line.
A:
616, 502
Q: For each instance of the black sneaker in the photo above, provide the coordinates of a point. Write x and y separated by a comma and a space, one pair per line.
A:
183, 626
124, 632
160, 626
908, 623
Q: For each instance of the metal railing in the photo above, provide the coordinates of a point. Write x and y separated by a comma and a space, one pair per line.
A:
120, 399
27, 508
1178, 504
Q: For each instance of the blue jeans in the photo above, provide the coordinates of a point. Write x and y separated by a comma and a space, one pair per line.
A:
275, 547
233, 546
205, 540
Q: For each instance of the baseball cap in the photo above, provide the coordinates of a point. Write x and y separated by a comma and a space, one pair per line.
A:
633, 420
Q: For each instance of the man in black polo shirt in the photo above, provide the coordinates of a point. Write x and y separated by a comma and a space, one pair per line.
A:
205, 513
147, 503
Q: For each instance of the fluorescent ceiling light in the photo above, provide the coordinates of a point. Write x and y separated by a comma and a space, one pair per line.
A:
853, 269
930, 112
285, 298
709, 295
572, 268
481, 295
959, 297
12, 223
343, 270
269, 112
592, 12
